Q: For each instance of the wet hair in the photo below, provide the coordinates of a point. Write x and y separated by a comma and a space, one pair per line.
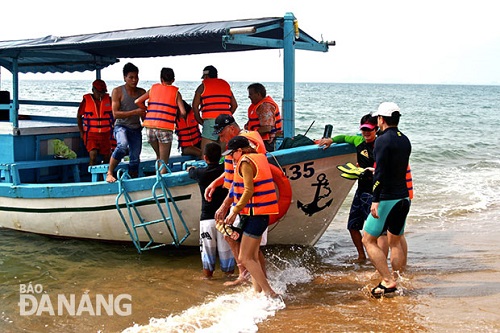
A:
213, 152
130, 68
167, 74
258, 88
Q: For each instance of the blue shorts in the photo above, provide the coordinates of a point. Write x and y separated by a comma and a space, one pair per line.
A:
254, 225
360, 209
392, 217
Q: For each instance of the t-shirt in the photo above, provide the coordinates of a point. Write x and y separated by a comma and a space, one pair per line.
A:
204, 176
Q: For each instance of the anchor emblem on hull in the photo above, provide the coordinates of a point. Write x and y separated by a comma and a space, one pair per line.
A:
312, 207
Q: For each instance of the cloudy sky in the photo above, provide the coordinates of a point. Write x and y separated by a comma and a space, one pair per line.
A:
435, 42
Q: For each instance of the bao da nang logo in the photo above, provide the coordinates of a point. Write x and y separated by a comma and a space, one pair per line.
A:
34, 301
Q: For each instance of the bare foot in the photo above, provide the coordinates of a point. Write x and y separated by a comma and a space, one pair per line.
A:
237, 282
110, 178
359, 260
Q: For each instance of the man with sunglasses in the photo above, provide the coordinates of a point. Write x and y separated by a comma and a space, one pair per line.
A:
361, 203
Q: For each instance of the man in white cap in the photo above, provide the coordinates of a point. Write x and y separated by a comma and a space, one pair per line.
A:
391, 202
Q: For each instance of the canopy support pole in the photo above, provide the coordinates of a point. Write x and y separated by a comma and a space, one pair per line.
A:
289, 75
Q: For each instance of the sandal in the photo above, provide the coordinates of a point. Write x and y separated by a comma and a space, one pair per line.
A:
383, 290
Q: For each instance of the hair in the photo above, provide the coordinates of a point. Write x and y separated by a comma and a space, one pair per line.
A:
258, 88
213, 152
394, 120
130, 68
248, 150
167, 74
368, 118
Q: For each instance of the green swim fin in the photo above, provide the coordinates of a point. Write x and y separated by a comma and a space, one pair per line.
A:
348, 176
351, 169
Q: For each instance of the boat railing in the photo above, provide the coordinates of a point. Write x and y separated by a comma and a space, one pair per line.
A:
48, 103
147, 168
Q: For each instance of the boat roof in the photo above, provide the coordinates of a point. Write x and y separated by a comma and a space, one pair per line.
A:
96, 51
78, 53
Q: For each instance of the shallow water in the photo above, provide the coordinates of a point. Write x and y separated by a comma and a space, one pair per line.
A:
453, 276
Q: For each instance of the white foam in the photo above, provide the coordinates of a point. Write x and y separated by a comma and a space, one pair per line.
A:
237, 311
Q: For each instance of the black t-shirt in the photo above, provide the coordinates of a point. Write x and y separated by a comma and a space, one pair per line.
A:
204, 176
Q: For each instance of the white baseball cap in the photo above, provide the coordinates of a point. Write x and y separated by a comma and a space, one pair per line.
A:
386, 109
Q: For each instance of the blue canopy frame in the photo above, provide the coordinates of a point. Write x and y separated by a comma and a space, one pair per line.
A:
96, 51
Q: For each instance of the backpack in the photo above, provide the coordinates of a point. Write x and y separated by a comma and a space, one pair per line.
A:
296, 141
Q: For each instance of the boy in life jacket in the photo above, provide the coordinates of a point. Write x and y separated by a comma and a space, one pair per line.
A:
95, 121
212, 242
164, 102
188, 133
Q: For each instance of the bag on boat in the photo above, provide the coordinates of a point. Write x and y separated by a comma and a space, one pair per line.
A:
296, 141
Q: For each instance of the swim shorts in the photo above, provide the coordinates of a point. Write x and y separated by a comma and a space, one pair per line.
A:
360, 209
392, 217
157, 135
208, 130
99, 141
255, 225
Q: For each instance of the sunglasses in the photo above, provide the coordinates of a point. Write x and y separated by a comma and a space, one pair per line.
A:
366, 129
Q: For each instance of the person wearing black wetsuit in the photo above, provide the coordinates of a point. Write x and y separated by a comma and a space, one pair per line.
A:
391, 202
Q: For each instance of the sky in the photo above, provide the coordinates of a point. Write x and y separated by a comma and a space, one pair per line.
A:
416, 42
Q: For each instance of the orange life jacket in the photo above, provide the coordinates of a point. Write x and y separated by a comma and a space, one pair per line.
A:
162, 107
264, 200
187, 130
94, 120
409, 182
253, 120
255, 138
215, 98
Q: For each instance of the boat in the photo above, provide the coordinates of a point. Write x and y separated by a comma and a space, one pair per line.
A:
43, 194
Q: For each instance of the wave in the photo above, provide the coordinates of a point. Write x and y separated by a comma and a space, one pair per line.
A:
234, 312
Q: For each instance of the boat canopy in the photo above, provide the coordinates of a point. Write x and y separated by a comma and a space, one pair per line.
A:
52, 54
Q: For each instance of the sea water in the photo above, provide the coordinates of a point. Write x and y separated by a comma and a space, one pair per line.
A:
453, 278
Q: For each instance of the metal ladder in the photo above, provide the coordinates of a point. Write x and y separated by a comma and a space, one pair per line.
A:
162, 199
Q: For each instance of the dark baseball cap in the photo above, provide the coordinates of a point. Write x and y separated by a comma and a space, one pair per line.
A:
210, 70
222, 121
236, 143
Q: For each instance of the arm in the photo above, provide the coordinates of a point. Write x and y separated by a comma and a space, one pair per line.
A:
341, 138
221, 213
141, 101
79, 117
180, 104
355, 140
196, 104
213, 185
248, 173
265, 112
381, 168
233, 103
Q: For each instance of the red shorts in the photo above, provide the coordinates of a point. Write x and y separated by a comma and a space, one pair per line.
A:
99, 141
